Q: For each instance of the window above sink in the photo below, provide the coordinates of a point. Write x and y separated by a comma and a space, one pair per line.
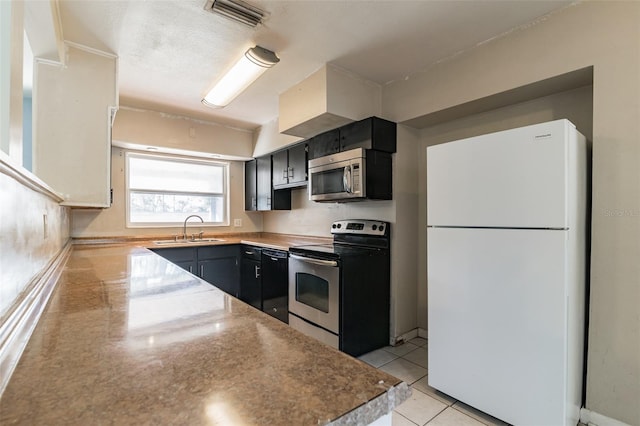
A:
161, 190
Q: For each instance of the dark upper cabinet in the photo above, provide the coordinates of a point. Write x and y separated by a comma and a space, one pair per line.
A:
266, 197
290, 167
250, 189
326, 143
298, 164
370, 133
263, 185
280, 162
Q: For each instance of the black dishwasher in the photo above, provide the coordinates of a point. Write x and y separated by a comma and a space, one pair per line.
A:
275, 276
250, 276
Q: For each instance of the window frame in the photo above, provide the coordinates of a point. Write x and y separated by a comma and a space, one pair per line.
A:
179, 159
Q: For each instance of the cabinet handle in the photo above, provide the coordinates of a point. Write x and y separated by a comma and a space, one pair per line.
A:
268, 201
253, 201
201, 271
284, 174
257, 271
248, 252
290, 172
191, 269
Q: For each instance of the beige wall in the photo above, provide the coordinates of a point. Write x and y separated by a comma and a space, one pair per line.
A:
25, 246
150, 128
605, 35
112, 221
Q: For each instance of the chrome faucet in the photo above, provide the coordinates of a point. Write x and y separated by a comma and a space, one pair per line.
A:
184, 227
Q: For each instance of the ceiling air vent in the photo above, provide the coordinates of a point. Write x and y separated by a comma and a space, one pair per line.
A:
236, 10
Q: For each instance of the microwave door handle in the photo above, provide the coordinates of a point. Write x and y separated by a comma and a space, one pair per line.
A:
346, 179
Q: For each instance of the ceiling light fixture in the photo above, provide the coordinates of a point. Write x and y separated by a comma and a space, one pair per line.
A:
249, 67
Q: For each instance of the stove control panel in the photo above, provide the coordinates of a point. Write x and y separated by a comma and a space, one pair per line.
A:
360, 227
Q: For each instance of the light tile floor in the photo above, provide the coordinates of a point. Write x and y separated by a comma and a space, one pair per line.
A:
427, 406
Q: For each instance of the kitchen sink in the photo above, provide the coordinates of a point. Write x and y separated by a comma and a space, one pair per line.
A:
196, 241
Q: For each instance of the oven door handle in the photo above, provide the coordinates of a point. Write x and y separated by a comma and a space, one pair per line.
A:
314, 261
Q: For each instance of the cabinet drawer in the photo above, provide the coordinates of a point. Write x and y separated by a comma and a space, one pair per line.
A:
177, 254
251, 252
216, 252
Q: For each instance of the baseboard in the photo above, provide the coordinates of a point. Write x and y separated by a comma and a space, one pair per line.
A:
416, 332
20, 322
592, 418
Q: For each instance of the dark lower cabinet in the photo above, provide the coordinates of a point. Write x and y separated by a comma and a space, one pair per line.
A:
275, 286
257, 276
251, 276
217, 265
220, 266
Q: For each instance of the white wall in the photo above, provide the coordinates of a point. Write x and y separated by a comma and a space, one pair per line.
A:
605, 35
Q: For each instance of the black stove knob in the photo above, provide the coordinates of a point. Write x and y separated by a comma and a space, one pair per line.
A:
339, 225
381, 228
374, 227
333, 226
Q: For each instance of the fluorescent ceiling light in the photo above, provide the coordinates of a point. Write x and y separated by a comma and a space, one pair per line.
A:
251, 65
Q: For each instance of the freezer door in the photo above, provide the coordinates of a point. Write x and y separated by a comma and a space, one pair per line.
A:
516, 178
498, 322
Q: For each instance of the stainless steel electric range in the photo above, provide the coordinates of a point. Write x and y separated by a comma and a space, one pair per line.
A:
340, 293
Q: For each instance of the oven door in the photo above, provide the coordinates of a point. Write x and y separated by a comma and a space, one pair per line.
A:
314, 291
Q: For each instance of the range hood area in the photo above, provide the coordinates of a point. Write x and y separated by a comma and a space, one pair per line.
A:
327, 99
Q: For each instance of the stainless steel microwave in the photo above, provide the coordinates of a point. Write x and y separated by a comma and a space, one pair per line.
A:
340, 176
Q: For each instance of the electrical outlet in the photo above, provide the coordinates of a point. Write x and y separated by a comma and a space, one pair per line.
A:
237, 222
44, 226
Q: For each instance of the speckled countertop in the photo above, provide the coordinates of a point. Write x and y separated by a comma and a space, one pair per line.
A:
130, 338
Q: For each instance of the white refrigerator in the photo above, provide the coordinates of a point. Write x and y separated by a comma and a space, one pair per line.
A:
506, 266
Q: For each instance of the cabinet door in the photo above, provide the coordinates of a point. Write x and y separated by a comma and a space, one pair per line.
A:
324, 144
280, 168
222, 273
220, 266
264, 182
184, 257
251, 283
250, 190
188, 265
297, 171
370, 133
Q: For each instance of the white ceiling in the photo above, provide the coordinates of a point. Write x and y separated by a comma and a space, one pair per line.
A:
171, 51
